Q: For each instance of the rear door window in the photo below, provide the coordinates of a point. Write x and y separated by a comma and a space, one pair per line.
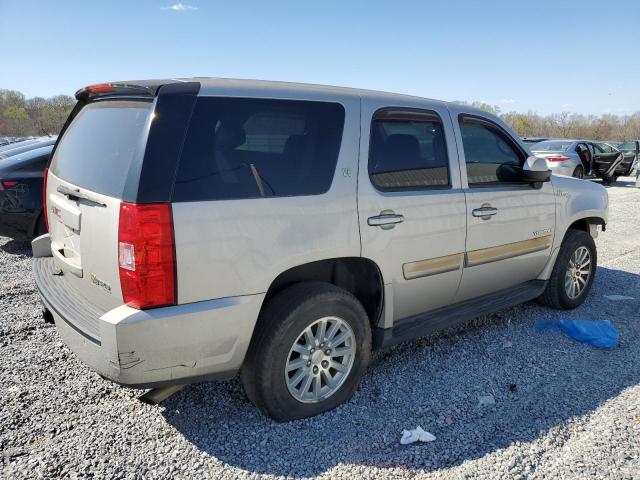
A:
407, 151
101, 143
250, 148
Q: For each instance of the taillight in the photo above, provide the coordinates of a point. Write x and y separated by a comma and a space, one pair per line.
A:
44, 199
146, 255
99, 88
7, 184
557, 158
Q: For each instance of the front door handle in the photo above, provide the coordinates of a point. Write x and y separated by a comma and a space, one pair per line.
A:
485, 212
386, 220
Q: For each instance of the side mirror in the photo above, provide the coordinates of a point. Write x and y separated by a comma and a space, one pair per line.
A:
535, 170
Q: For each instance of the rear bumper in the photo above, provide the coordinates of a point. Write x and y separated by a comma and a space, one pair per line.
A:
156, 347
561, 168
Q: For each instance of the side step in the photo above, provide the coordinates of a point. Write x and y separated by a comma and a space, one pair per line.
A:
424, 324
157, 395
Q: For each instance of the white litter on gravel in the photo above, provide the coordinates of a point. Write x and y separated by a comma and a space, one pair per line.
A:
416, 435
486, 400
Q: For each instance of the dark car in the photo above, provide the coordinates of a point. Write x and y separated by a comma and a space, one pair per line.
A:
532, 140
631, 151
25, 146
17, 143
21, 178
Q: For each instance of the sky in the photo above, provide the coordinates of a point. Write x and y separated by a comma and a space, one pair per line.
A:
542, 56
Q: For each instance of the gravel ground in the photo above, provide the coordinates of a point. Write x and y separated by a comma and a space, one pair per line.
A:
562, 409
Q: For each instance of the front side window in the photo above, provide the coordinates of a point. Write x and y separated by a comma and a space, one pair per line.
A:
408, 153
250, 148
490, 156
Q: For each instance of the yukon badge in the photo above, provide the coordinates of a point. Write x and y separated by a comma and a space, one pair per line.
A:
99, 283
545, 232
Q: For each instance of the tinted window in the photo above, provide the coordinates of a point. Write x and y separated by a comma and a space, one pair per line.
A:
249, 148
408, 154
489, 155
100, 145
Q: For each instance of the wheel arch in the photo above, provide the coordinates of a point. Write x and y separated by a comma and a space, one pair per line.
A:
586, 224
358, 275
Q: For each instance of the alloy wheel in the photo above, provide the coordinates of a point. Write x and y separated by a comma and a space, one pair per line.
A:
578, 272
320, 360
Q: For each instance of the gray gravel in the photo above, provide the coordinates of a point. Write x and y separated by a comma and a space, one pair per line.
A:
562, 409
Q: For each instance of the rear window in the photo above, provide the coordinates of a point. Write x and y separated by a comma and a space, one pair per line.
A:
251, 148
551, 146
100, 145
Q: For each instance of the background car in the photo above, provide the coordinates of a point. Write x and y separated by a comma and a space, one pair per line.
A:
10, 145
532, 140
24, 146
580, 158
21, 178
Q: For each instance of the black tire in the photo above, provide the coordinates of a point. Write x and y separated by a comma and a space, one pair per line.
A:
279, 325
555, 294
41, 228
578, 172
607, 180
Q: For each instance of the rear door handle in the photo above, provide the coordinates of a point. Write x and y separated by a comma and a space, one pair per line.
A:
485, 212
386, 220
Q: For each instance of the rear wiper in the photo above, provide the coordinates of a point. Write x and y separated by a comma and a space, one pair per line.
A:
78, 195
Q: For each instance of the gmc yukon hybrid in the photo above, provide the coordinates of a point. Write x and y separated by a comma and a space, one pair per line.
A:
203, 227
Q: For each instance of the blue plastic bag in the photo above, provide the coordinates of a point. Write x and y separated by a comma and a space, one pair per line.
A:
597, 333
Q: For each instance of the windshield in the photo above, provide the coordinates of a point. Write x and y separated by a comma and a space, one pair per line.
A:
101, 143
552, 146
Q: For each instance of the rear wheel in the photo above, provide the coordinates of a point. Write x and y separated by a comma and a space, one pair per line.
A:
609, 180
41, 228
309, 351
573, 273
578, 172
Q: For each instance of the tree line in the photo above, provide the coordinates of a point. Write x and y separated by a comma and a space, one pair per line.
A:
568, 125
21, 116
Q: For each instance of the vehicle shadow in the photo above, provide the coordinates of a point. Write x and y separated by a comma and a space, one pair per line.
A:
15, 247
625, 183
539, 382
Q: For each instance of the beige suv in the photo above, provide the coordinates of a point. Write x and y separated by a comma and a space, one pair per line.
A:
203, 227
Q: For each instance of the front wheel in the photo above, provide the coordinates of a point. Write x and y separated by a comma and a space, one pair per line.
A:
573, 273
311, 347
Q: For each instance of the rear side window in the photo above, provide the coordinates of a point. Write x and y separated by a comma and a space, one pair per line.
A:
490, 155
407, 151
99, 146
249, 148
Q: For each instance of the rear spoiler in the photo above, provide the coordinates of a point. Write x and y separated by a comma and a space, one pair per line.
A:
135, 88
